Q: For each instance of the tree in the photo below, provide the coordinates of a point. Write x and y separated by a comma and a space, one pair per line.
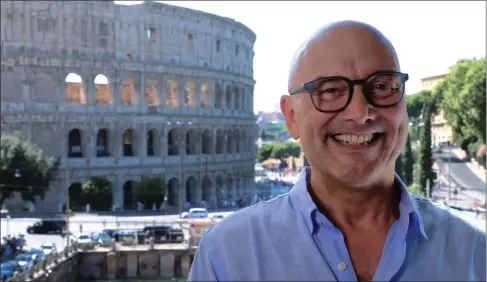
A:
24, 169
150, 190
462, 96
425, 161
399, 167
264, 152
407, 163
97, 191
415, 103
286, 149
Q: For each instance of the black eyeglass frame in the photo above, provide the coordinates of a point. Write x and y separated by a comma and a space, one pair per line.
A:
308, 87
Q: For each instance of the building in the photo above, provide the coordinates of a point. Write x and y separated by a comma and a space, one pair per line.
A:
123, 91
441, 132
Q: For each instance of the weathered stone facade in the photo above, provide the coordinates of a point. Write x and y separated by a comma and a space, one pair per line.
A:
123, 91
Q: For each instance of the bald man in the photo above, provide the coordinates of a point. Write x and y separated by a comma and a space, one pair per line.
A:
348, 217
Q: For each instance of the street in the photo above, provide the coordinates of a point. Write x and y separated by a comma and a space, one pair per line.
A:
90, 223
461, 175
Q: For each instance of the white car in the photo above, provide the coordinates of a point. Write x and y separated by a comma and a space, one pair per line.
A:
48, 247
195, 213
84, 240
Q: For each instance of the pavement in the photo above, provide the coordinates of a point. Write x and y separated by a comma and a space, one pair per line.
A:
90, 223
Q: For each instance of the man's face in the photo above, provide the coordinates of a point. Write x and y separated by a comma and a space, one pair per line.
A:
326, 137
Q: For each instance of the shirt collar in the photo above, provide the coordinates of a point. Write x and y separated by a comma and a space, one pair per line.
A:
301, 200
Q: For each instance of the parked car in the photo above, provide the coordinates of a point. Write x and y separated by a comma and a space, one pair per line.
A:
24, 261
48, 247
7, 269
84, 240
102, 239
165, 233
47, 226
195, 213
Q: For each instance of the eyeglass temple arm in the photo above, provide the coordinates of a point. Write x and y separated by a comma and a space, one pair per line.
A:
297, 90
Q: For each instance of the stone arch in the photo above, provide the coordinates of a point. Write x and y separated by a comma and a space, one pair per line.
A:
153, 142
229, 139
220, 190
76, 201
206, 189
191, 142
173, 192
129, 147
238, 141
152, 96
236, 96
103, 143
75, 143
129, 91
219, 99
228, 98
128, 195
191, 187
243, 97
243, 141
103, 93
220, 141
190, 94
207, 143
75, 92
172, 94
205, 95
173, 142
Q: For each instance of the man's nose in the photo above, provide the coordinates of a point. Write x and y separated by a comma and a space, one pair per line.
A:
359, 109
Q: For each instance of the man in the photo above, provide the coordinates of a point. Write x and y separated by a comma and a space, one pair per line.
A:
348, 217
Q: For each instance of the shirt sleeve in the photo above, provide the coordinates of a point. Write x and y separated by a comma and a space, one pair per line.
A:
202, 268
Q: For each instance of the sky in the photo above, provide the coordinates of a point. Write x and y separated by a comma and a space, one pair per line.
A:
429, 36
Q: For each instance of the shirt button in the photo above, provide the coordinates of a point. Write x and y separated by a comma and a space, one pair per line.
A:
342, 266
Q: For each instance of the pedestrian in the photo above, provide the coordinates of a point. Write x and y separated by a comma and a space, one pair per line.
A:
349, 217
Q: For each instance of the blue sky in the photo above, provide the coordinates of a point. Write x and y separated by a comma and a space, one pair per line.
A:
428, 36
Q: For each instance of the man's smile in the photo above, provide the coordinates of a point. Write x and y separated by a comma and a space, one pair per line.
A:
357, 139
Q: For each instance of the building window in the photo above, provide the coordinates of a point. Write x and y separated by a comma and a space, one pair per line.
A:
218, 45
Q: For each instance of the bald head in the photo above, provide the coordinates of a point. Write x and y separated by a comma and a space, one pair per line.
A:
345, 43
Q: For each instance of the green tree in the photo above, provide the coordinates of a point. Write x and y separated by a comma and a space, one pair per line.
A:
286, 149
97, 191
265, 152
407, 163
24, 169
399, 167
151, 189
415, 103
462, 97
425, 161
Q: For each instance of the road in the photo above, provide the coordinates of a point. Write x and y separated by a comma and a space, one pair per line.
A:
461, 175
90, 223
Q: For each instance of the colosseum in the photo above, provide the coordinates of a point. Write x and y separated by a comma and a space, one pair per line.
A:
124, 91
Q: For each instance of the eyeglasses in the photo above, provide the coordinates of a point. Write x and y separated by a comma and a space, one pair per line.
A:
382, 89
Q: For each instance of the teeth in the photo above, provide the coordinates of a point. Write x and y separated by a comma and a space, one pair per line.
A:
353, 139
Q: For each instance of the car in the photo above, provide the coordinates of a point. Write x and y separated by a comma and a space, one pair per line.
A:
84, 240
102, 239
24, 261
47, 226
165, 233
48, 247
195, 213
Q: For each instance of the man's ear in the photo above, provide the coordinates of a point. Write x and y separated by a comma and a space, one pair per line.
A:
288, 110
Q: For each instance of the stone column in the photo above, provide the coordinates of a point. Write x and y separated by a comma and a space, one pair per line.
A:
162, 85
142, 141
141, 99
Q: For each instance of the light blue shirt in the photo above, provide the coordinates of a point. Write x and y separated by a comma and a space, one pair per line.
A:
288, 239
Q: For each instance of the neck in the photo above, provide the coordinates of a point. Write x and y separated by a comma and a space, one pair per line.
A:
372, 206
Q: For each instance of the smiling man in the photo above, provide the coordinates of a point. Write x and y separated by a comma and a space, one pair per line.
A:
349, 217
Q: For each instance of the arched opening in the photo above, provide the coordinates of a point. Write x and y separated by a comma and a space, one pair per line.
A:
218, 96
129, 93
173, 192
242, 98
229, 141
205, 95
206, 144
74, 89
173, 142
191, 190
206, 189
128, 195
220, 141
243, 146
190, 94
75, 149
228, 98
230, 187
237, 98
237, 141
152, 93
128, 144
151, 142
191, 141
102, 143
102, 90
190, 40
172, 94
220, 193
76, 197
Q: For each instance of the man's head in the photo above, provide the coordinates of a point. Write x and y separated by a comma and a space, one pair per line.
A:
329, 138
